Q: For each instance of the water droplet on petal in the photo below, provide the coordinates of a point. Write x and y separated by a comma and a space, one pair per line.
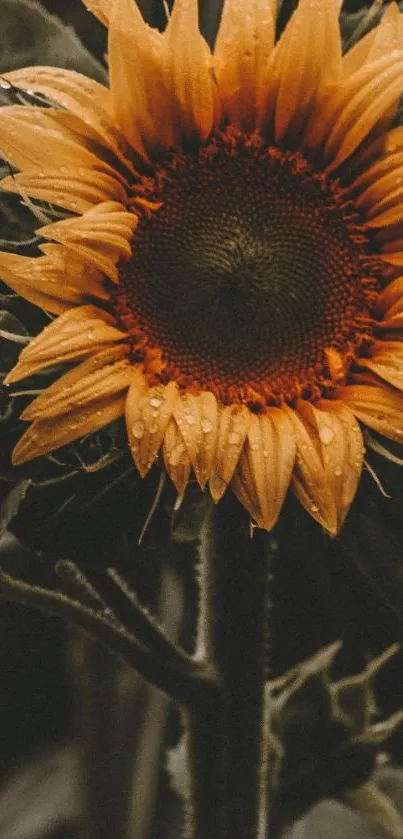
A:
314, 508
138, 429
338, 472
155, 401
153, 428
189, 418
234, 438
326, 434
206, 425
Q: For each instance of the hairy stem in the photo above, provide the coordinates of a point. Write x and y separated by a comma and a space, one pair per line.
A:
229, 732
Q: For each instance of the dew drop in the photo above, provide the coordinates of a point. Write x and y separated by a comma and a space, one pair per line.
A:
155, 401
206, 425
189, 418
338, 472
153, 428
234, 438
314, 508
326, 434
138, 429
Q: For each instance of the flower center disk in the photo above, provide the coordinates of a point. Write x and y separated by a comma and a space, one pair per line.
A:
252, 267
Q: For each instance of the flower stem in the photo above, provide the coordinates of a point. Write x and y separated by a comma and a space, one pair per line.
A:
229, 734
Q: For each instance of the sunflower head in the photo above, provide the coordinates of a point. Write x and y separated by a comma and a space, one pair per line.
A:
222, 249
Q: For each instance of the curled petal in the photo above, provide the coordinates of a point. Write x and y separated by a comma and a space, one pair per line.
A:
75, 334
148, 412
233, 424
264, 471
101, 236
72, 191
176, 457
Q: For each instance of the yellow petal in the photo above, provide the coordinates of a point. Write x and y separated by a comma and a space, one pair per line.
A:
176, 457
308, 58
85, 98
142, 102
386, 361
380, 41
242, 50
312, 482
342, 453
265, 467
75, 334
233, 424
39, 139
148, 412
37, 280
197, 418
391, 296
380, 89
189, 71
378, 406
99, 377
46, 435
72, 191
101, 236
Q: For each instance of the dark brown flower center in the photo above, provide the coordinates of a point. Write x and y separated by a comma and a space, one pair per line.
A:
251, 269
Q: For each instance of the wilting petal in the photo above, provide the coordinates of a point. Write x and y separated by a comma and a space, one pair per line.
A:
100, 236
197, 418
81, 96
99, 377
75, 334
189, 71
264, 471
148, 412
378, 406
380, 41
233, 424
386, 361
242, 50
342, 453
46, 435
307, 58
176, 457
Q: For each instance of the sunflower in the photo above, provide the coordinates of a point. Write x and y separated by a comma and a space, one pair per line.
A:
225, 266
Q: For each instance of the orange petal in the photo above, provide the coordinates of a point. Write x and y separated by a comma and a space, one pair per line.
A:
265, 467
378, 406
101, 236
343, 454
148, 412
189, 71
41, 282
197, 418
380, 86
142, 102
242, 50
75, 334
46, 435
391, 296
176, 457
71, 191
233, 424
380, 41
99, 377
312, 480
40, 138
308, 58
386, 362
100, 8
85, 98
370, 182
